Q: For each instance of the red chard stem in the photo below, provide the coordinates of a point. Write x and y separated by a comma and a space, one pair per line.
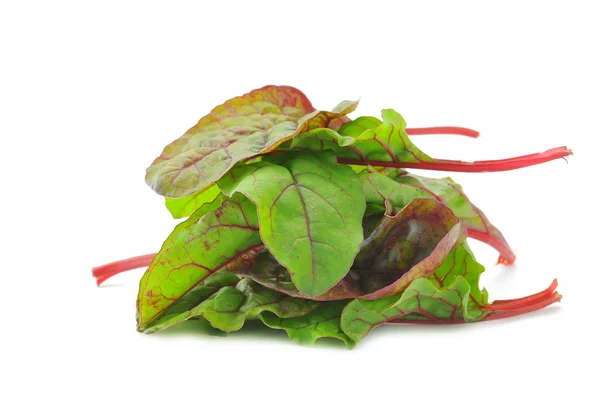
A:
444, 130
106, 271
471, 167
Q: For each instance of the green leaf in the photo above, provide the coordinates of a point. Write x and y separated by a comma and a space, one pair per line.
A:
239, 129
396, 189
461, 263
227, 302
411, 245
320, 323
230, 307
183, 309
186, 206
421, 298
310, 212
366, 138
218, 234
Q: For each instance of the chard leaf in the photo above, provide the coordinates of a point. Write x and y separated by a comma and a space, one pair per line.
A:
411, 245
228, 309
452, 195
367, 139
183, 309
461, 263
310, 212
396, 189
320, 323
218, 234
421, 298
239, 129
186, 206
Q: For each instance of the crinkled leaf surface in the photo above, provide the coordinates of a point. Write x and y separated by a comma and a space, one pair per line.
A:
229, 308
367, 138
241, 128
411, 245
396, 189
310, 211
461, 263
422, 298
186, 206
218, 234
320, 323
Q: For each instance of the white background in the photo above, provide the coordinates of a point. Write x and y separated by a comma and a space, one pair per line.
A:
90, 94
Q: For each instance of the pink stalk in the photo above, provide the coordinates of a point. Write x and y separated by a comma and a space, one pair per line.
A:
507, 256
443, 130
471, 167
106, 271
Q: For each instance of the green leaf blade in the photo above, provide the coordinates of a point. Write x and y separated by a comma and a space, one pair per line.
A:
241, 128
216, 235
421, 298
187, 205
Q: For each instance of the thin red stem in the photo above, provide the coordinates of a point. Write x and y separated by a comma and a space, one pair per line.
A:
502, 305
471, 167
507, 256
106, 271
443, 130
554, 298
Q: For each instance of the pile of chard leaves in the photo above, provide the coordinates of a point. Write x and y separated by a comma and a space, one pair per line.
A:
308, 221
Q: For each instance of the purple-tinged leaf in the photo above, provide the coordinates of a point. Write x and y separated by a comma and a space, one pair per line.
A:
397, 188
239, 129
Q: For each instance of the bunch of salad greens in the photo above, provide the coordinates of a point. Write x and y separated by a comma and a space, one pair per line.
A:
308, 221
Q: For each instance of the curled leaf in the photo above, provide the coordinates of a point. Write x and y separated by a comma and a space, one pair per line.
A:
241, 128
397, 188
218, 234
310, 212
